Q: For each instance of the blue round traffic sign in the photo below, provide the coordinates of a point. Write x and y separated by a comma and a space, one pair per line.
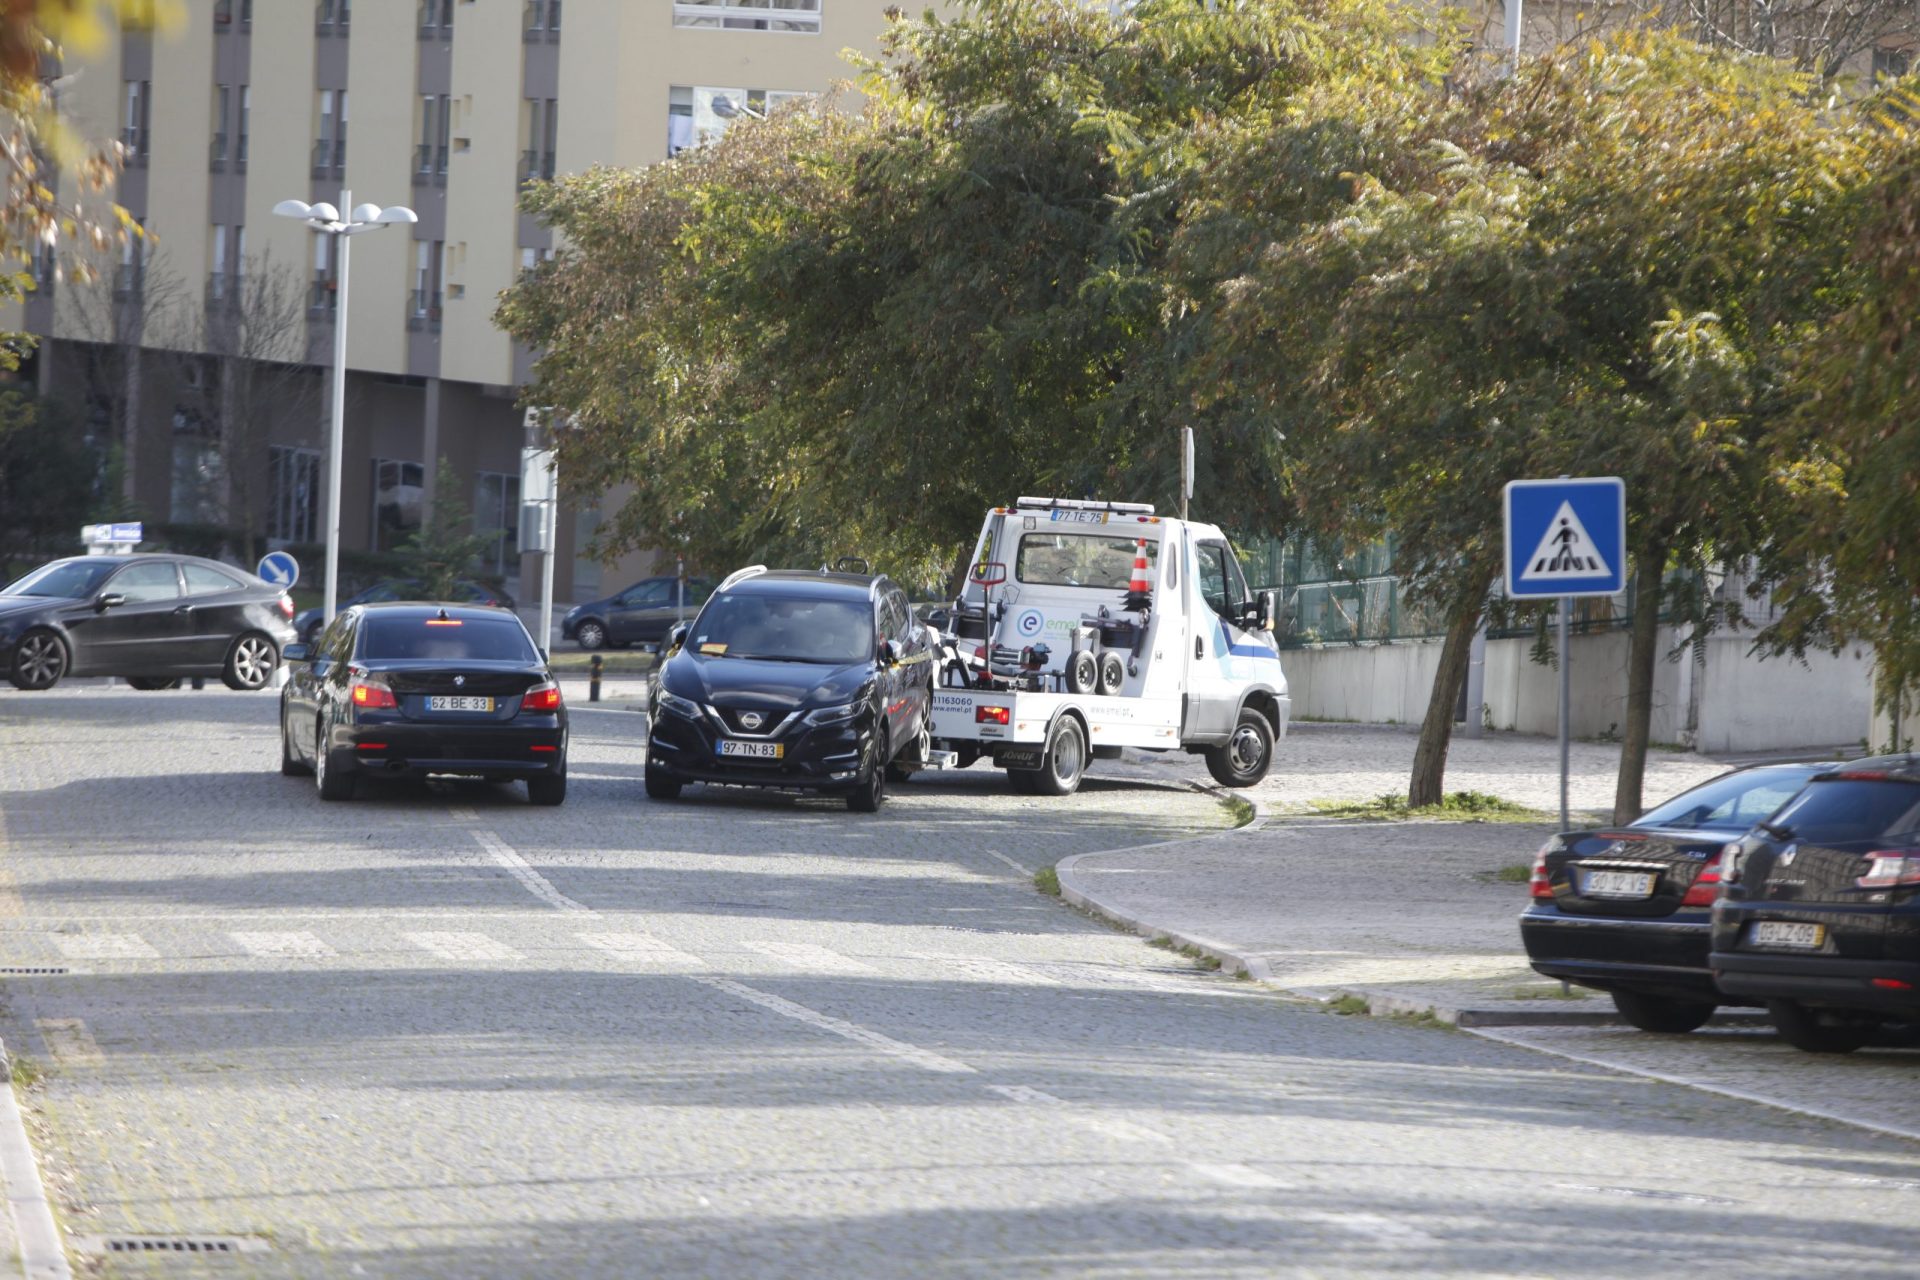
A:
279, 569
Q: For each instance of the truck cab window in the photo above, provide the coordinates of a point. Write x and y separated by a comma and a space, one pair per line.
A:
1224, 590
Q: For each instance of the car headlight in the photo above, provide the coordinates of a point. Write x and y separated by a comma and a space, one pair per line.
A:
833, 715
685, 708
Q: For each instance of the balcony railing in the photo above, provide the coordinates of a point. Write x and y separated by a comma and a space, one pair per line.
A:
423, 310
541, 21
430, 164
436, 19
134, 139
536, 166
332, 17
226, 11
217, 153
321, 297
240, 153
329, 156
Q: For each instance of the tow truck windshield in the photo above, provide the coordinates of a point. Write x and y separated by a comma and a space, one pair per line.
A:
1080, 560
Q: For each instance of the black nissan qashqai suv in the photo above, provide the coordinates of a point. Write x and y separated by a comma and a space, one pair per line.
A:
796, 680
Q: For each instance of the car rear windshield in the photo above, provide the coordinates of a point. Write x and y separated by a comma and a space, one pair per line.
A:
75, 579
780, 628
1732, 803
1080, 560
1842, 810
451, 640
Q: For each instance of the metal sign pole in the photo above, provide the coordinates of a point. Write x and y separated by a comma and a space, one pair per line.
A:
1566, 701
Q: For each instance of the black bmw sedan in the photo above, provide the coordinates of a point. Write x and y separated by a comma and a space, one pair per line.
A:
1819, 918
795, 680
153, 619
410, 690
1627, 909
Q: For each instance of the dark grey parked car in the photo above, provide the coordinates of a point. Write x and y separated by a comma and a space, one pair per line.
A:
153, 619
642, 614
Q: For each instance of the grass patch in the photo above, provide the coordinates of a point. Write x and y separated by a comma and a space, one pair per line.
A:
1239, 809
1456, 806
1349, 1006
1558, 991
1193, 953
1518, 873
1425, 1018
1047, 881
25, 1071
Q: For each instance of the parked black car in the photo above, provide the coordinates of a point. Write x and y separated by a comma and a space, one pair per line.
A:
642, 614
153, 619
408, 690
466, 591
1819, 917
1628, 909
812, 681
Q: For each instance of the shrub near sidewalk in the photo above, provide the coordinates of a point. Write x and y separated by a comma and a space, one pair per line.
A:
1457, 806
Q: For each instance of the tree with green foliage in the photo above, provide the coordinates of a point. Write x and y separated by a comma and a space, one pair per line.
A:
443, 549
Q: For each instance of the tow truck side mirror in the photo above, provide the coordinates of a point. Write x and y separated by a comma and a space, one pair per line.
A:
990, 574
1269, 610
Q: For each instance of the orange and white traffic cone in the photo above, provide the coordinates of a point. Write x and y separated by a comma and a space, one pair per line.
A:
1139, 590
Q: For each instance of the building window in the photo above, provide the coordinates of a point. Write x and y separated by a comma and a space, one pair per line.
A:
423, 309
217, 149
698, 114
333, 17
398, 489
133, 128
542, 123
196, 470
294, 489
219, 282
330, 150
436, 19
130, 278
541, 20
240, 134
801, 16
496, 515
321, 298
1891, 64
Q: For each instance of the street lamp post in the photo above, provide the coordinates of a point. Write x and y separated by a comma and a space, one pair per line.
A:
326, 219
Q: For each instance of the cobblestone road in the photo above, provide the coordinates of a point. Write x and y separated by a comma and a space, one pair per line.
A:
439, 1032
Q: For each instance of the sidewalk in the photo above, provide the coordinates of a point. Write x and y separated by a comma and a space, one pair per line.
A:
1409, 917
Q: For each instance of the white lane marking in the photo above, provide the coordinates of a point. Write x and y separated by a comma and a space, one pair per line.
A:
1235, 1175
534, 883
1123, 1130
1002, 972
283, 944
1025, 1093
104, 946
1108, 1126
463, 815
69, 1041
1691, 1082
1025, 871
42, 1257
925, 1059
1377, 1228
809, 956
643, 949
463, 945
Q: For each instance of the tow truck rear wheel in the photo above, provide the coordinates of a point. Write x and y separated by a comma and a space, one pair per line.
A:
1065, 761
1245, 757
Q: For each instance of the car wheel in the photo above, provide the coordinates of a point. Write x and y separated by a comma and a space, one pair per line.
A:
150, 684
922, 749
1662, 1014
291, 765
333, 784
1065, 761
591, 634
662, 785
548, 788
1245, 757
870, 792
1814, 1032
251, 662
39, 660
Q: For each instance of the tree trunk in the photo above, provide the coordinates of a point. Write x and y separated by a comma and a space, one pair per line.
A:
1649, 564
1427, 785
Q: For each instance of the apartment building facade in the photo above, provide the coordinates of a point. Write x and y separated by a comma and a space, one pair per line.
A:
445, 106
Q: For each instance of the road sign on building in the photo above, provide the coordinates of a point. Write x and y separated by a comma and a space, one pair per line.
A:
279, 569
1566, 537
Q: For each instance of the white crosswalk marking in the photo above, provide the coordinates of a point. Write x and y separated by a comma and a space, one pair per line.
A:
1000, 972
1236, 1175
104, 946
455, 944
283, 944
643, 949
809, 956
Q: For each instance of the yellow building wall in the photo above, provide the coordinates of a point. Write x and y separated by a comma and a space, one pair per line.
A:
483, 183
383, 55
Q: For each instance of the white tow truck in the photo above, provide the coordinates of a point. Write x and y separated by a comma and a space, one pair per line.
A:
1087, 627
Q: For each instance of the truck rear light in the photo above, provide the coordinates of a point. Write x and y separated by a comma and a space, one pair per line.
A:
542, 697
1890, 871
992, 715
1706, 886
373, 697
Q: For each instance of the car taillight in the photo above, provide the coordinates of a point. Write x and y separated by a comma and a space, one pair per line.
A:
374, 697
1890, 870
542, 697
992, 715
1706, 886
1538, 883
286, 606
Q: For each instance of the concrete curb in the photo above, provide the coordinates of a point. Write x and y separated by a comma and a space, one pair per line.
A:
42, 1257
1233, 960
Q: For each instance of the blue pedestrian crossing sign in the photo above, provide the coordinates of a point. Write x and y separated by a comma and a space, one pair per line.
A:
1566, 537
279, 569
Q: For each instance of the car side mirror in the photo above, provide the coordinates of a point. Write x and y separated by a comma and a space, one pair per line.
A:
296, 653
890, 652
1269, 610
111, 600
676, 636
